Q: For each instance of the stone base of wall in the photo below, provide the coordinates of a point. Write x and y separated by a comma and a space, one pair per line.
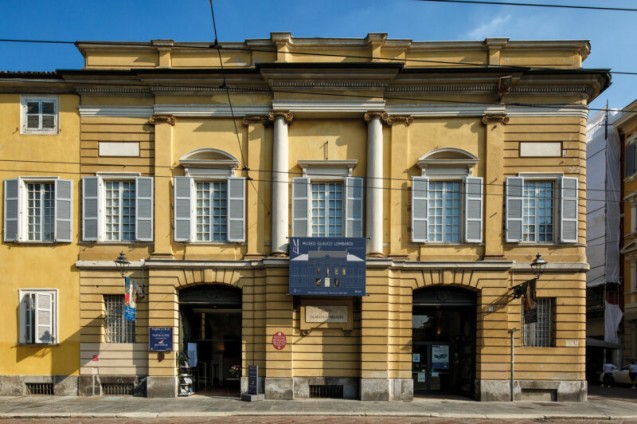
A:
16, 385
93, 385
279, 388
161, 387
560, 391
374, 389
302, 386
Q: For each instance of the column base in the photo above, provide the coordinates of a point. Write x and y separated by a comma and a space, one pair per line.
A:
161, 387
279, 388
395, 389
532, 390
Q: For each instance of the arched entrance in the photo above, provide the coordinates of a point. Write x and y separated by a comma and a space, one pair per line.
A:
210, 337
444, 340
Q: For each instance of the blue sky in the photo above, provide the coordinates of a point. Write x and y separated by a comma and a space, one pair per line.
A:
612, 34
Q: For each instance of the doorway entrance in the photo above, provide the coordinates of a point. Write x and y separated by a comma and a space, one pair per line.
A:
210, 339
443, 346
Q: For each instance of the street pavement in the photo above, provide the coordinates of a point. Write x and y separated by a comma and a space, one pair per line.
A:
616, 403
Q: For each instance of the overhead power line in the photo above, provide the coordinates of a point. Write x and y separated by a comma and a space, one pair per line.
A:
556, 6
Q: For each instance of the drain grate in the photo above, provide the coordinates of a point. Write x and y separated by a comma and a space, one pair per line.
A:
331, 391
39, 388
118, 389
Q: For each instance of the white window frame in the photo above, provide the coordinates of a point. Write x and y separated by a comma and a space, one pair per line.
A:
16, 210
327, 171
24, 101
116, 328
34, 304
565, 208
96, 217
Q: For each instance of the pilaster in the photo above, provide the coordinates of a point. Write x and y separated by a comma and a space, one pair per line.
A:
494, 184
164, 125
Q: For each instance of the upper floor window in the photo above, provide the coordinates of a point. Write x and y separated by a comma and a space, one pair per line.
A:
117, 208
38, 316
541, 209
38, 210
327, 201
39, 115
209, 200
446, 200
630, 161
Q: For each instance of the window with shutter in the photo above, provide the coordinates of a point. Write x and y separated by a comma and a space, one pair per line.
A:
38, 316
117, 208
327, 201
542, 209
446, 200
210, 202
38, 210
39, 115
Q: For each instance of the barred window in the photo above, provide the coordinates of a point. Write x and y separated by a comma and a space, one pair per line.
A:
118, 330
540, 333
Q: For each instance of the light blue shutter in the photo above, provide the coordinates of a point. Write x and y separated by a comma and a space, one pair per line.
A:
11, 209
144, 208
90, 208
419, 208
63, 210
44, 318
183, 208
236, 209
301, 207
568, 212
514, 208
354, 207
473, 209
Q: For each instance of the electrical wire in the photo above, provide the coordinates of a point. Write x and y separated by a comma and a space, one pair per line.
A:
542, 5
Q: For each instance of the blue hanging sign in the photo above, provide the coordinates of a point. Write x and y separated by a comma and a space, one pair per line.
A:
327, 266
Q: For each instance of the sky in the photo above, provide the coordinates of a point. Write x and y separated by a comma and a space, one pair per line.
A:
612, 34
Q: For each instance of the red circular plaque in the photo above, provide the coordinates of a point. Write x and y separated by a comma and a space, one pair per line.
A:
279, 340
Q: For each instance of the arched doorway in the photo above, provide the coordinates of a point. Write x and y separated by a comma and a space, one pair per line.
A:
210, 337
444, 340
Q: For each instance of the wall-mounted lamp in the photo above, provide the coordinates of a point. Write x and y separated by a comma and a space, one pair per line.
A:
122, 263
538, 265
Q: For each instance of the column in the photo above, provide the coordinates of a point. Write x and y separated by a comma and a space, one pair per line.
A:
374, 192
280, 169
164, 124
494, 184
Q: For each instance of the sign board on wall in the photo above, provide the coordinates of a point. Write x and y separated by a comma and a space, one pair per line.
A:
327, 266
160, 339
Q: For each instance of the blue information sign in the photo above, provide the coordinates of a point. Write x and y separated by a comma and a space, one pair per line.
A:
327, 266
160, 339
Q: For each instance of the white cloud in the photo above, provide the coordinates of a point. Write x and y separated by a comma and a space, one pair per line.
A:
495, 28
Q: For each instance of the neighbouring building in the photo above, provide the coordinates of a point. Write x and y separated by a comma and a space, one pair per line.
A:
626, 125
603, 222
355, 218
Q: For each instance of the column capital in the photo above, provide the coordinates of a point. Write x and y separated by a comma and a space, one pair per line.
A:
158, 119
495, 119
256, 119
389, 119
288, 116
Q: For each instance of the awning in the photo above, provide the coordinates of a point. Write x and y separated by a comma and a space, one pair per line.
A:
601, 343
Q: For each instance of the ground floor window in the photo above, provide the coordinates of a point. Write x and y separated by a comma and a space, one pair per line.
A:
117, 329
38, 316
540, 332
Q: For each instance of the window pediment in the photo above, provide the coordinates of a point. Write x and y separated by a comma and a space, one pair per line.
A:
209, 162
447, 161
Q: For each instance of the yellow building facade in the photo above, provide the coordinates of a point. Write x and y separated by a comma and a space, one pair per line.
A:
454, 163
